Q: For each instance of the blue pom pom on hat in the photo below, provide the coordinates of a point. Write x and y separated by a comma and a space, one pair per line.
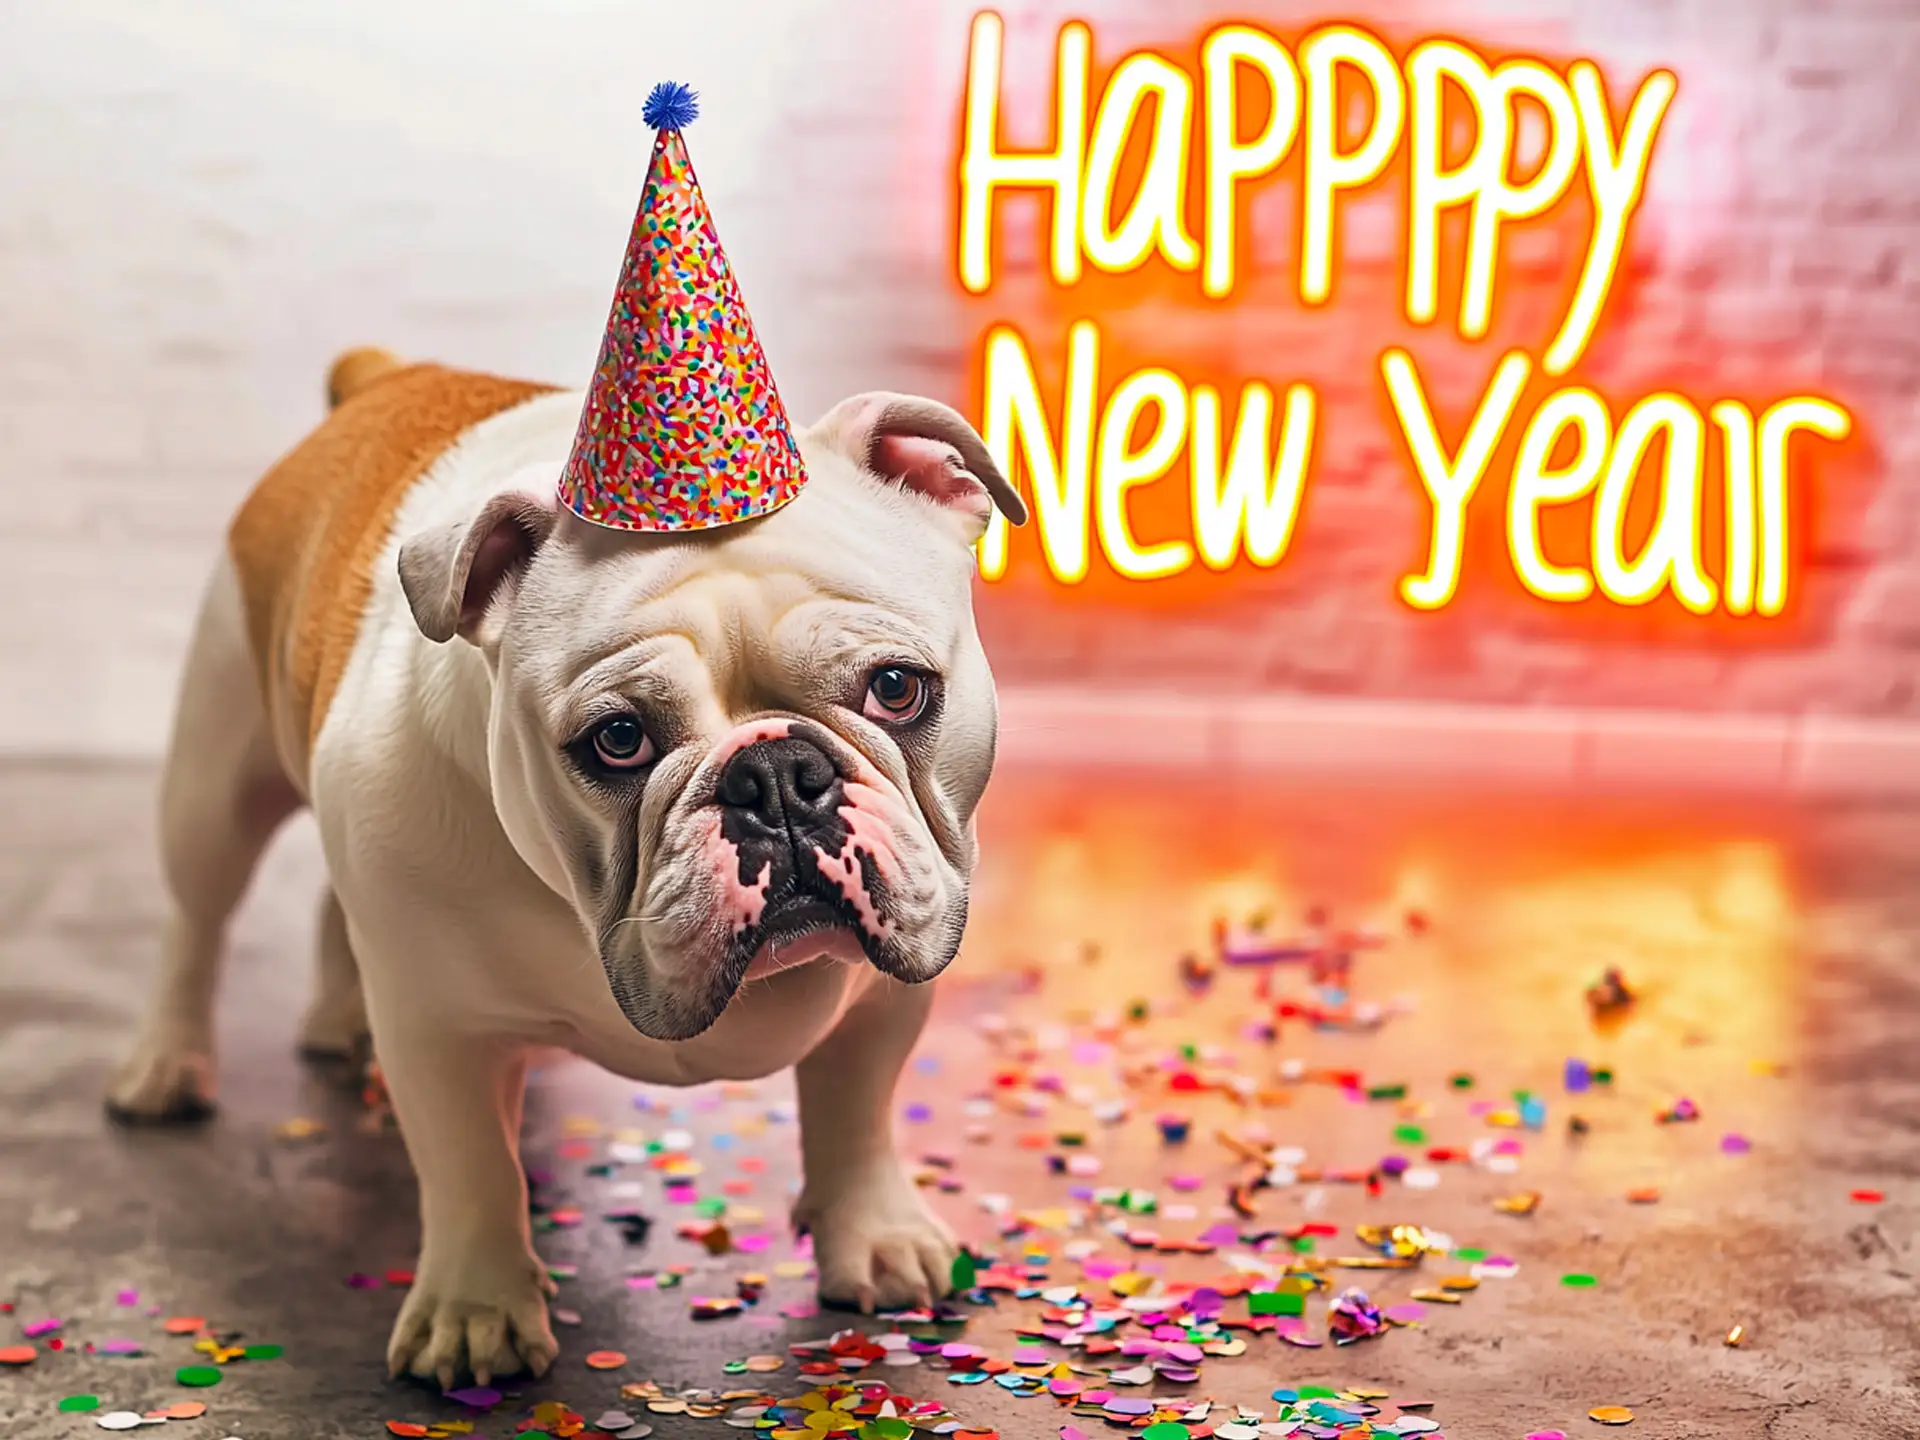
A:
671, 106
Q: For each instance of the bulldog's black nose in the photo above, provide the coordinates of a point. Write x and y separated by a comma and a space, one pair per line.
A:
784, 789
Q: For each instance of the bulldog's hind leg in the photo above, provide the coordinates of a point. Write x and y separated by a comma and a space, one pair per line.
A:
222, 797
335, 1027
877, 1244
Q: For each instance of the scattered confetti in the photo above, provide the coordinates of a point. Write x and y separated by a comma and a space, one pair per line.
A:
1126, 1285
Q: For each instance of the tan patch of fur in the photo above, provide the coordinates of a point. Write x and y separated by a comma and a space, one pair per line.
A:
305, 542
357, 369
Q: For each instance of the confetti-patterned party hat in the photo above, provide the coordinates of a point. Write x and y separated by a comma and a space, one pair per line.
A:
683, 429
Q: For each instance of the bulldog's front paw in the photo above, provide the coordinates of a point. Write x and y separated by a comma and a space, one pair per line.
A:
877, 1245
169, 1077
483, 1318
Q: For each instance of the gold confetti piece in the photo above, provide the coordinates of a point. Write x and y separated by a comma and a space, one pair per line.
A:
1735, 1336
299, 1128
1245, 1149
1400, 1241
1437, 1297
764, 1364
1611, 1414
1459, 1282
1523, 1203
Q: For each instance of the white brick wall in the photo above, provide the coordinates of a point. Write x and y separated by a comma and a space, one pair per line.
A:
202, 200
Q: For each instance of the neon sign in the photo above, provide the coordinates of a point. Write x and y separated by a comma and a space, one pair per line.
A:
1180, 143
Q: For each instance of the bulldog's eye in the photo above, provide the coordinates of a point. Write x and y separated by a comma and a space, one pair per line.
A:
896, 695
622, 744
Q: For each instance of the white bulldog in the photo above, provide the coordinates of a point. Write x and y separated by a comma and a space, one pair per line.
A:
694, 807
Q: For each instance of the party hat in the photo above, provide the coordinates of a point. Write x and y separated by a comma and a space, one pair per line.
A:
683, 429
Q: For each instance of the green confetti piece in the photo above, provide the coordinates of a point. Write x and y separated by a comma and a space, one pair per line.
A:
1303, 1245
1276, 1302
1317, 1392
712, 1208
197, 1375
965, 1273
1602, 1076
1471, 1252
76, 1403
264, 1352
1166, 1430
1387, 1092
735, 1367
1462, 1081
1579, 1282
887, 1427
1409, 1134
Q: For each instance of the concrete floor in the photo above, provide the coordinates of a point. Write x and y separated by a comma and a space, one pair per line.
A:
1759, 939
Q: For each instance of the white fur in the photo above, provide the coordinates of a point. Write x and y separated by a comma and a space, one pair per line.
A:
457, 841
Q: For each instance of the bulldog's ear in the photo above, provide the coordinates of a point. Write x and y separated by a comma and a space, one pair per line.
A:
926, 447
452, 575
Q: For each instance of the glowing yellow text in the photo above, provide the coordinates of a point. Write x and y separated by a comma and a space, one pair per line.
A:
1307, 95
1246, 490
1607, 463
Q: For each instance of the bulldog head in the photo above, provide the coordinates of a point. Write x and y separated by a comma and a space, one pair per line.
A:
748, 748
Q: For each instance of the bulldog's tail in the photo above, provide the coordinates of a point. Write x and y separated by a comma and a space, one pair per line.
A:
356, 370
